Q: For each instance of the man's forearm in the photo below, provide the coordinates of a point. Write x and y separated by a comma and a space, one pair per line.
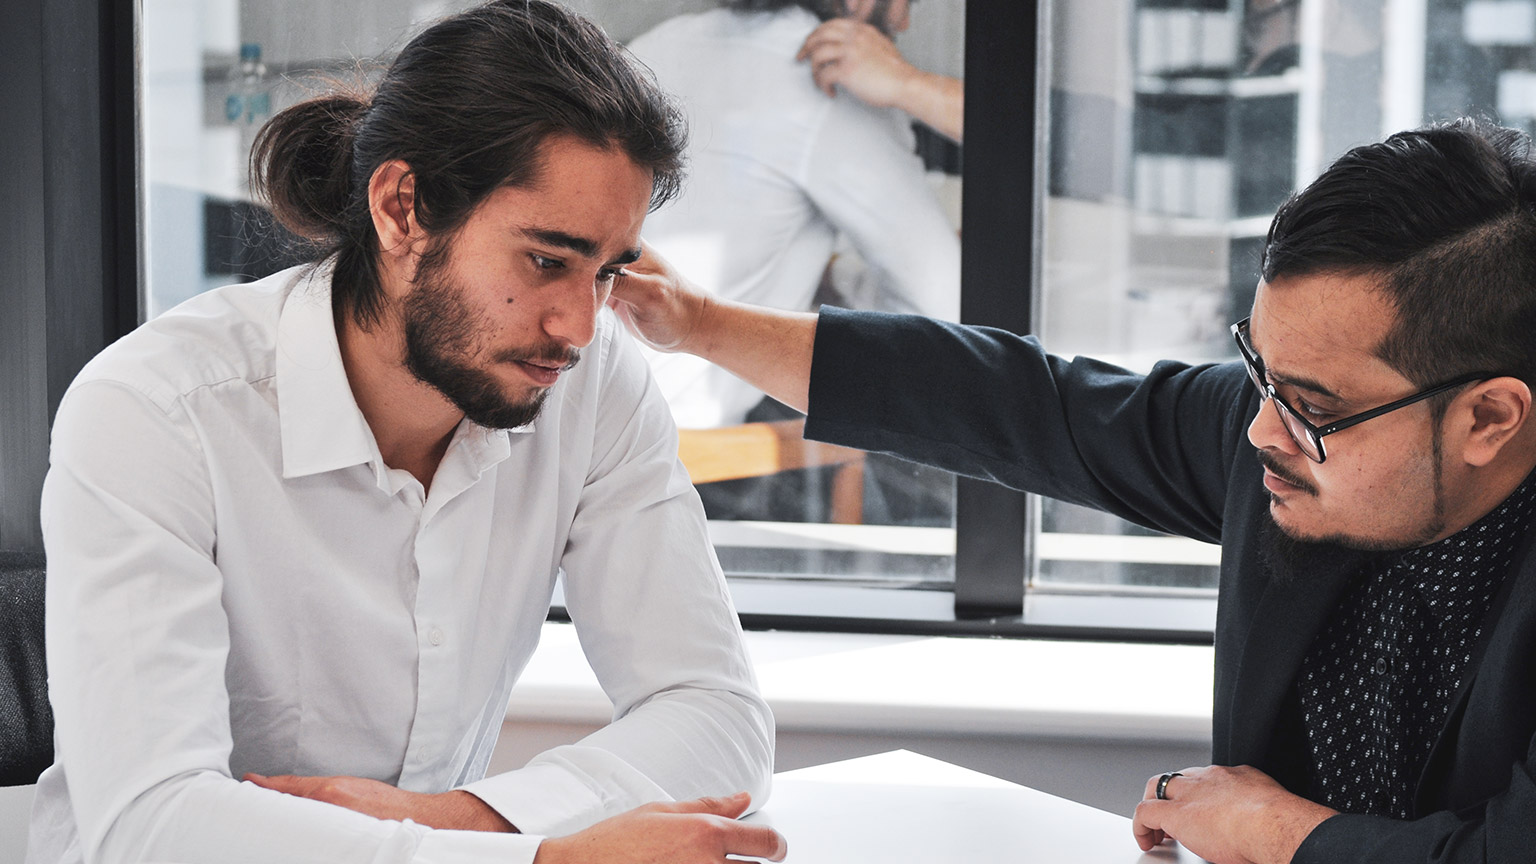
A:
768, 348
936, 100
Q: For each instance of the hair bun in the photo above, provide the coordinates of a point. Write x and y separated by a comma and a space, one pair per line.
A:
301, 164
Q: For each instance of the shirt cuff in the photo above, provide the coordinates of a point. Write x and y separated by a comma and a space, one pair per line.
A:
551, 799
475, 847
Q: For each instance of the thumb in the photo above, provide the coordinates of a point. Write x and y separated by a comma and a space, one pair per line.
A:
730, 807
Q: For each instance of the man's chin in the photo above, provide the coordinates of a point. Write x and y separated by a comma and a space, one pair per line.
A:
1297, 552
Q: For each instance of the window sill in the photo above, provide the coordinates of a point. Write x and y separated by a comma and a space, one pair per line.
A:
924, 685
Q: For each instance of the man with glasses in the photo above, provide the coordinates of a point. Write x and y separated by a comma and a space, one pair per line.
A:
1376, 637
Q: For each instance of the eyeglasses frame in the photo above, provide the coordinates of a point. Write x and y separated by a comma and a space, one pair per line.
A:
1256, 374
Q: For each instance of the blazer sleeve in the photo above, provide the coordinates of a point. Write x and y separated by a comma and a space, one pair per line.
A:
1501, 830
1155, 449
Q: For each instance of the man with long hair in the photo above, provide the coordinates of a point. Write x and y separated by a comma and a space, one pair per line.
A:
302, 534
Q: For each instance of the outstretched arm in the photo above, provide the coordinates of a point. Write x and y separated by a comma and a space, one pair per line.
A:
768, 348
859, 58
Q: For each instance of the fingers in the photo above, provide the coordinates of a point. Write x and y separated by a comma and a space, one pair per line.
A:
1182, 778
316, 788
755, 841
729, 807
1147, 824
825, 79
832, 32
288, 784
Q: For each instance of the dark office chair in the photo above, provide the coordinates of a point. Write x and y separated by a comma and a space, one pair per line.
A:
26, 720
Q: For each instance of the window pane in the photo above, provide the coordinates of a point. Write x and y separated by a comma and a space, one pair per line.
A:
788, 204
1177, 127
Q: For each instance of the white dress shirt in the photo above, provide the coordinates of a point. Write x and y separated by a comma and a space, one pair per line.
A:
776, 170
237, 582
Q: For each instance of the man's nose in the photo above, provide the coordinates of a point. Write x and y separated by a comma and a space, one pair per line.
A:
571, 318
1268, 432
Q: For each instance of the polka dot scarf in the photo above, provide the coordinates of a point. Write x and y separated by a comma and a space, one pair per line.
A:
1377, 684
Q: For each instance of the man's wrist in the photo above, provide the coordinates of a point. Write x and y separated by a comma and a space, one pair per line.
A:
467, 812
701, 338
914, 91
1290, 823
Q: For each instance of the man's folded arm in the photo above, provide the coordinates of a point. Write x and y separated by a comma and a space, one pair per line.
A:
1501, 830
137, 643
651, 610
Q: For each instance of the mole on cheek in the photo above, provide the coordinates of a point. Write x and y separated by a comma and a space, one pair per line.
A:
509, 301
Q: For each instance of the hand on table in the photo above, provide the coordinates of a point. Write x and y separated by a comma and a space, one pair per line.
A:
457, 809
1227, 816
688, 832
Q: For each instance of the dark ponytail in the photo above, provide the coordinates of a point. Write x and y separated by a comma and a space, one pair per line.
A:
302, 168
468, 105
301, 165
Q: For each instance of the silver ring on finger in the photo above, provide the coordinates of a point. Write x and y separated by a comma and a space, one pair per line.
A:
1162, 785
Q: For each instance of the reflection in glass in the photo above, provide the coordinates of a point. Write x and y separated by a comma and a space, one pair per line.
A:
214, 70
1175, 132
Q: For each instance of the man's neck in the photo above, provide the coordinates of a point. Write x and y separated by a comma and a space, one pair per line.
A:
411, 421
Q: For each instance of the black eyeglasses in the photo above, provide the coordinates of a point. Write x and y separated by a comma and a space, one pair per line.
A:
1309, 438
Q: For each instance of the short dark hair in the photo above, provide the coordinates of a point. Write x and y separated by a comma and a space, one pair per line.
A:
1443, 217
468, 105
826, 10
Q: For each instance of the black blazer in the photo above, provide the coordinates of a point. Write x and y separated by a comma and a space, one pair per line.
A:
1169, 450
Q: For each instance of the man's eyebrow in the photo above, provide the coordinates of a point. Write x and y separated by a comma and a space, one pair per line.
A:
1300, 381
1305, 383
579, 245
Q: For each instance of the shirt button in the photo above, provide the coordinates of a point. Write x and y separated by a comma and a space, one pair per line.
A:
435, 636
1381, 662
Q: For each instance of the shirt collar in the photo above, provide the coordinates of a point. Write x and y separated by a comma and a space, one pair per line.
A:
322, 427
1499, 528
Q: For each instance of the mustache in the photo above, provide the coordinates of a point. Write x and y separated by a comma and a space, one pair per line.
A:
548, 355
1269, 461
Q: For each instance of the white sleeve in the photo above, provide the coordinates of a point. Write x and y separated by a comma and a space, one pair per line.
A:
863, 179
137, 638
651, 610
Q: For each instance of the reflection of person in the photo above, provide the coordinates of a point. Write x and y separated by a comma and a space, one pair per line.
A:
860, 57
1367, 469
777, 170
305, 531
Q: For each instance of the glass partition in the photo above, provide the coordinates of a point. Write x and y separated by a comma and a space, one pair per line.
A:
214, 70
1176, 129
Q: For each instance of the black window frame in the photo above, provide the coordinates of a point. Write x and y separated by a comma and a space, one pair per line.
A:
69, 259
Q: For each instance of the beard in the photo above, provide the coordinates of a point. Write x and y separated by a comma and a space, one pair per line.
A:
440, 335
1293, 560
1289, 557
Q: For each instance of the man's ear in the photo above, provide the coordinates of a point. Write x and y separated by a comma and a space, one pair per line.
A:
392, 204
1499, 409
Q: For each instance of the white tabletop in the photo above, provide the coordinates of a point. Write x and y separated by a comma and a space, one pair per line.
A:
905, 807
